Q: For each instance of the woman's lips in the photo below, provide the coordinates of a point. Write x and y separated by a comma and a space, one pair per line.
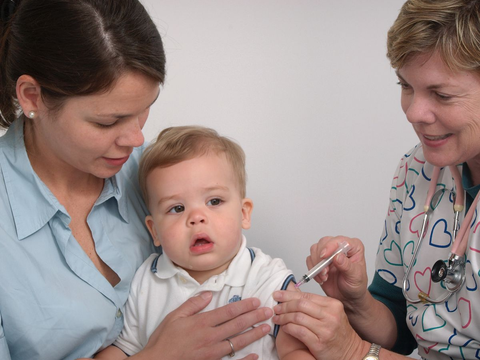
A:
117, 161
436, 140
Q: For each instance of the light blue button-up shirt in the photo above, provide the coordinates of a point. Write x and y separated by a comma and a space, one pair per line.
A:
54, 303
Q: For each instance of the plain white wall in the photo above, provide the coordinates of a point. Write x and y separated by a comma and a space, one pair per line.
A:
306, 89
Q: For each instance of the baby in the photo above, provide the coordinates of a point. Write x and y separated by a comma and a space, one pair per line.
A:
194, 184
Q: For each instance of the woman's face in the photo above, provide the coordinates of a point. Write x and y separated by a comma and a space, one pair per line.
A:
96, 134
444, 108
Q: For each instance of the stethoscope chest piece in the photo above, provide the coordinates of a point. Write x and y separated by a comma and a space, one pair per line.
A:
452, 274
439, 271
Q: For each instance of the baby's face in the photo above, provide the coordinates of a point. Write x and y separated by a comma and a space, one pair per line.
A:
197, 214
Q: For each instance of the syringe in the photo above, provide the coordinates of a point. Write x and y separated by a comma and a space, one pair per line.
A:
343, 247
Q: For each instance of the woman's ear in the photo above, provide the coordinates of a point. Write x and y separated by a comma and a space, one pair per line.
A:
29, 94
247, 207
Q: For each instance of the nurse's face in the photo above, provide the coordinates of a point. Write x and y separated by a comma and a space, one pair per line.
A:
96, 134
444, 108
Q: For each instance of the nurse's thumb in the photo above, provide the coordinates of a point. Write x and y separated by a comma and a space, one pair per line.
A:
342, 263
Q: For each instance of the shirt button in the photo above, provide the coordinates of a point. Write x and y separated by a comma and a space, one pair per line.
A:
119, 313
183, 280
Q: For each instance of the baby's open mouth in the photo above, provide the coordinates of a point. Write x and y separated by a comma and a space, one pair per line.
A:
201, 242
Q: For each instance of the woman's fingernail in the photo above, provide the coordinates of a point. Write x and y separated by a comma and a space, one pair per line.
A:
277, 295
275, 319
341, 259
256, 302
205, 295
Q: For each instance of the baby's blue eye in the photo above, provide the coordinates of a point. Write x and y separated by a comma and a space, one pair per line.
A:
177, 209
214, 202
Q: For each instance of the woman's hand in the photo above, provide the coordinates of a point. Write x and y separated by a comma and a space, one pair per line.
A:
320, 323
345, 278
345, 282
185, 334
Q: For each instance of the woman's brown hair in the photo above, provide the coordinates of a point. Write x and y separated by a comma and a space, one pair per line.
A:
74, 48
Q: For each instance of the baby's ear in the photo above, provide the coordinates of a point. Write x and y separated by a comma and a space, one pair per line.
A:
247, 207
153, 231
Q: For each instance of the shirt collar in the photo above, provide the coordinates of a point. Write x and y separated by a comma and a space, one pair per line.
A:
113, 189
32, 203
235, 275
470, 189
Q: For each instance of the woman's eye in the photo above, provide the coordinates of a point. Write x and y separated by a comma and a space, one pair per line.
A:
177, 209
105, 125
215, 202
443, 96
403, 85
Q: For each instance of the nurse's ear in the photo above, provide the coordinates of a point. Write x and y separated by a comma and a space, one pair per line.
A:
29, 95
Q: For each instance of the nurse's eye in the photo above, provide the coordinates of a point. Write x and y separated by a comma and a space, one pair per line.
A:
443, 96
403, 85
177, 209
215, 202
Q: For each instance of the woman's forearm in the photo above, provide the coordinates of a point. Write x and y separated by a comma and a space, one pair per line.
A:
373, 321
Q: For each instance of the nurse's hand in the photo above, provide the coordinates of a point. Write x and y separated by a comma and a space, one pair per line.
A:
345, 278
320, 323
187, 334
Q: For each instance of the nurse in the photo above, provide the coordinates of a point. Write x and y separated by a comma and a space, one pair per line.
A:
77, 80
434, 46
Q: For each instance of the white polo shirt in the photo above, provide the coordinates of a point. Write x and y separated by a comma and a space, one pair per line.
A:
160, 287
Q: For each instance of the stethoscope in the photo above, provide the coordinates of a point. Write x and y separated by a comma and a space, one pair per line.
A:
452, 273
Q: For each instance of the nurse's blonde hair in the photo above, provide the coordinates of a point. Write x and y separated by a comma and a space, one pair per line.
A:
180, 143
451, 27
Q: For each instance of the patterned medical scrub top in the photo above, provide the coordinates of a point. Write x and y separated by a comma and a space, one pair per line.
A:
449, 330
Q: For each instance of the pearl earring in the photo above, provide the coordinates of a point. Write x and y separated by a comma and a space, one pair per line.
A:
31, 114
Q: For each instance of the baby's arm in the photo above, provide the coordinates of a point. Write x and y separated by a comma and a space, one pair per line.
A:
290, 348
110, 353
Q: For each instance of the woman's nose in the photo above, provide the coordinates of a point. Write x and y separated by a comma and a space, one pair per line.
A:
132, 135
418, 109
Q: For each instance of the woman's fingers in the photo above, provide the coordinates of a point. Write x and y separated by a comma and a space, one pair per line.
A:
248, 337
308, 310
245, 311
318, 321
250, 357
301, 333
236, 317
192, 305
185, 331
284, 296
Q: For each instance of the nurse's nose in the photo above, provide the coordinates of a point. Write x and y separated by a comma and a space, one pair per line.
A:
418, 109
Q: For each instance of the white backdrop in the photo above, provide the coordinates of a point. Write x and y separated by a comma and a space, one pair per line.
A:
306, 89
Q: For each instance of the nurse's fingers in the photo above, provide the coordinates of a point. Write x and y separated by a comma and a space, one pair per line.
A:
298, 302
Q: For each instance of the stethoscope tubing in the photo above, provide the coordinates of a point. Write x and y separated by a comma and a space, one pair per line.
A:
460, 242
